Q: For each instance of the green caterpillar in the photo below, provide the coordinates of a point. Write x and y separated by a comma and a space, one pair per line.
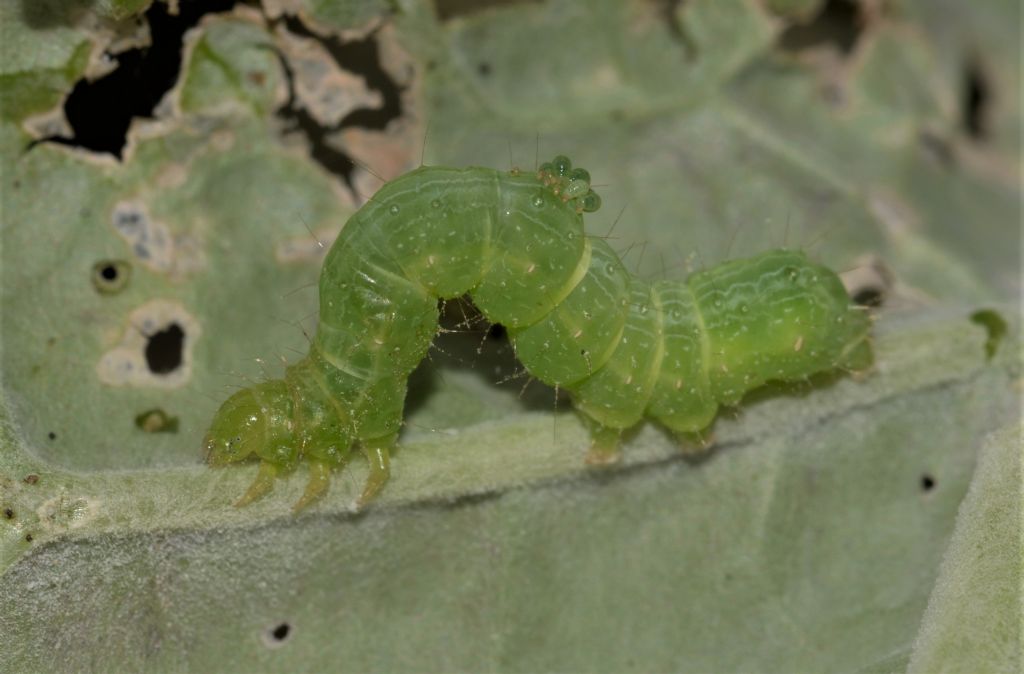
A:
673, 351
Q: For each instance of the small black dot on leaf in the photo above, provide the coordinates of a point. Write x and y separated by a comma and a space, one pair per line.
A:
275, 636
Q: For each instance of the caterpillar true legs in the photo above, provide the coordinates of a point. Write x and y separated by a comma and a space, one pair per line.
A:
673, 351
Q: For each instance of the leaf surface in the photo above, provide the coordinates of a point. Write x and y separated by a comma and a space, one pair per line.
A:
809, 540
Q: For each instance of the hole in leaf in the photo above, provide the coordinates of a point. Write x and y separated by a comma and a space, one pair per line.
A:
870, 282
497, 331
100, 111
976, 99
164, 349
869, 297
838, 22
110, 276
927, 482
276, 635
51, 435
359, 56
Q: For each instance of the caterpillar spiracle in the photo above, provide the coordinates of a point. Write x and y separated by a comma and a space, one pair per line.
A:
513, 241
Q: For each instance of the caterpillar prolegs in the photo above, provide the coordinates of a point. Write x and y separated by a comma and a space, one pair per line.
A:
626, 349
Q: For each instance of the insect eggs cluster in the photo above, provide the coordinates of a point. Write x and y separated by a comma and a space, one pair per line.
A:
572, 185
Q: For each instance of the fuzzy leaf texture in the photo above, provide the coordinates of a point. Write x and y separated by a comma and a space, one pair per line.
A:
843, 525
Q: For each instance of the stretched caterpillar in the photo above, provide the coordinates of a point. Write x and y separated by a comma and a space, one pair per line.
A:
625, 349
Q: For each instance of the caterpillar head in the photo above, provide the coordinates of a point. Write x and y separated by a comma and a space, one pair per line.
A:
572, 185
236, 431
250, 420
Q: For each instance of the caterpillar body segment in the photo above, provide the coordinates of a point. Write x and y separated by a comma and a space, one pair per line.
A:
672, 351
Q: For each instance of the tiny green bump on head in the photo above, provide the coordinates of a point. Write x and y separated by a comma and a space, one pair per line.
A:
546, 167
591, 202
562, 165
576, 188
580, 174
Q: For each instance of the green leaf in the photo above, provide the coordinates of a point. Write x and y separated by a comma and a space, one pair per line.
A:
973, 618
809, 540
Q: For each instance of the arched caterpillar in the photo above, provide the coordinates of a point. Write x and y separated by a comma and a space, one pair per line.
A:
626, 349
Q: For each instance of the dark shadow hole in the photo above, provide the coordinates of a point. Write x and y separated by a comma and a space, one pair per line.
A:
838, 23
467, 342
869, 297
927, 482
100, 111
280, 633
110, 276
976, 98
164, 349
484, 68
51, 435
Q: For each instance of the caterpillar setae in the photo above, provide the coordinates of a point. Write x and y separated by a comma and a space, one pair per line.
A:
625, 349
